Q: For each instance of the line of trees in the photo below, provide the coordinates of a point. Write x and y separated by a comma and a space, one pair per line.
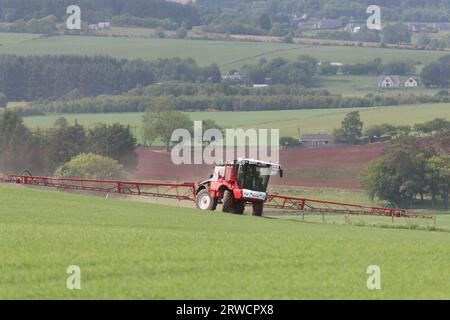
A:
402, 10
238, 17
50, 77
44, 150
282, 71
257, 101
364, 35
44, 25
376, 67
302, 70
37, 77
223, 88
410, 168
153, 23
351, 130
397, 33
272, 17
99, 10
437, 73
425, 41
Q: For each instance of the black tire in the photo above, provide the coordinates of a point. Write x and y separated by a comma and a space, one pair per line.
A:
214, 204
227, 201
258, 208
204, 201
239, 206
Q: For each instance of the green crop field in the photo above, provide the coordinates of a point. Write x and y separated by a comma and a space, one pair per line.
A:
128, 249
228, 54
8, 40
288, 121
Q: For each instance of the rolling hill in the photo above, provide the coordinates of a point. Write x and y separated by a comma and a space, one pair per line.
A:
227, 54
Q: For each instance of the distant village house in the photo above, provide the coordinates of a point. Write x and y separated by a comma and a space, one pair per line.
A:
417, 27
389, 81
259, 86
298, 17
317, 140
394, 81
233, 77
100, 26
413, 82
328, 24
352, 27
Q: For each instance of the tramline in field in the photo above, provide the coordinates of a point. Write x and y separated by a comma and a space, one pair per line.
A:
234, 185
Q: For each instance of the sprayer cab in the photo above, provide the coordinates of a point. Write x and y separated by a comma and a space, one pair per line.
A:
236, 184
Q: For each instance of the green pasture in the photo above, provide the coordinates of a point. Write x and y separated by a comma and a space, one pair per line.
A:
135, 250
228, 54
290, 122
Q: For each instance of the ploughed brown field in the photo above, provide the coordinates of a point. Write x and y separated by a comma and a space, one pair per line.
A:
332, 167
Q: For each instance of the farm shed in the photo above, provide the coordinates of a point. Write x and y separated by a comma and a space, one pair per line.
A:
317, 140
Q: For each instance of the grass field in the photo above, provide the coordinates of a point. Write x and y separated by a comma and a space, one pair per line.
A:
288, 121
13, 39
129, 249
228, 54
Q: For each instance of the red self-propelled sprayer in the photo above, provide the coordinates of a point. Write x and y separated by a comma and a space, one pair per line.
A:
234, 185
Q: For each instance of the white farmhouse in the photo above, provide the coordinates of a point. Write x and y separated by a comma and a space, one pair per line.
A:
389, 81
412, 82
100, 26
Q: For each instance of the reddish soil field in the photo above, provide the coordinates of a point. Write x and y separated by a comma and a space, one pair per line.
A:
333, 167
